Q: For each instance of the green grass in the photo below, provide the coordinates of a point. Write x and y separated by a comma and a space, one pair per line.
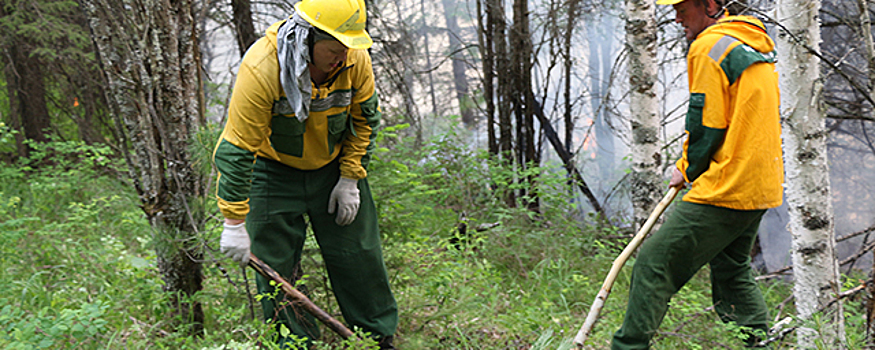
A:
78, 270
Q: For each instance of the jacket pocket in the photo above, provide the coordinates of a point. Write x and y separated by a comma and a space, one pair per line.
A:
287, 135
694, 113
337, 126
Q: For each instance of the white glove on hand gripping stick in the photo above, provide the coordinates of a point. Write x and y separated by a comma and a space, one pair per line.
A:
235, 243
346, 197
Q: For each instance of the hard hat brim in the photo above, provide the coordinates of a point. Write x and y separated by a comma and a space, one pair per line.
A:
353, 39
668, 2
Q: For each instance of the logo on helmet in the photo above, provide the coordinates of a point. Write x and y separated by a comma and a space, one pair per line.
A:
351, 24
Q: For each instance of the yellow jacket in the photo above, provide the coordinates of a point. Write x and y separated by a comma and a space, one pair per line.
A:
732, 155
344, 115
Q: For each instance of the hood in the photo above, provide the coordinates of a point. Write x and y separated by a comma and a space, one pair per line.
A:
747, 29
271, 31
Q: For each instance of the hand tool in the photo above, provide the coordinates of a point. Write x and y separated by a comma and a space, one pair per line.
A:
618, 264
298, 298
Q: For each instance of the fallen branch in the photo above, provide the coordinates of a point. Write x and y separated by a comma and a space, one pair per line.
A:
298, 298
567, 159
855, 234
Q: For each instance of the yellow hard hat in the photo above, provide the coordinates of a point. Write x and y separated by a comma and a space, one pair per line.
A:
343, 19
668, 2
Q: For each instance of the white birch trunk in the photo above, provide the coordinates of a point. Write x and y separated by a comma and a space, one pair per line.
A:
866, 33
807, 185
646, 181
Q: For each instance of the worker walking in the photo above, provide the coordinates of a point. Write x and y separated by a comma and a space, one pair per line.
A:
302, 121
732, 158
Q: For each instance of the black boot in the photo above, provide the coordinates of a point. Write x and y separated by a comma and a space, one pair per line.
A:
386, 343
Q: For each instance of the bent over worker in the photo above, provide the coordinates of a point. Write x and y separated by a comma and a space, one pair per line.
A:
301, 124
732, 158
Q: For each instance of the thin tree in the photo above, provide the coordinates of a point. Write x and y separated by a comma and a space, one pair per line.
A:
425, 31
645, 179
243, 27
571, 20
149, 57
485, 42
807, 175
460, 78
522, 97
869, 54
24, 75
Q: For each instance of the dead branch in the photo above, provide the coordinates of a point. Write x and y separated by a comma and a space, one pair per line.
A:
846, 294
783, 271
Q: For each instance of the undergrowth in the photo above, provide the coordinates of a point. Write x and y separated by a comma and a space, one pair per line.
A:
469, 270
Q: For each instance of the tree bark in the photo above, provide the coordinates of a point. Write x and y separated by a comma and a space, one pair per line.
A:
242, 12
645, 179
148, 55
523, 97
568, 62
486, 50
866, 31
496, 15
807, 170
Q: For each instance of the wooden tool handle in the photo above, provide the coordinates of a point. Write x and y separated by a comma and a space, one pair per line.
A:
603, 293
298, 298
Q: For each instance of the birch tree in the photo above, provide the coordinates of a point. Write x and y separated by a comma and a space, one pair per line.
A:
148, 55
645, 179
807, 174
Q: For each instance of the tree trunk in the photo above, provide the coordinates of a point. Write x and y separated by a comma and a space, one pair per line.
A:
866, 31
425, 31
523, 97
460, 79
645, 179
148, 55
243, 26
26, 85
807, 188
495, 10
568, 64
486, 50
14, 117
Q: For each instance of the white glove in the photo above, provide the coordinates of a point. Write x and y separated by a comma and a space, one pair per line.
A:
346, 196
235, 243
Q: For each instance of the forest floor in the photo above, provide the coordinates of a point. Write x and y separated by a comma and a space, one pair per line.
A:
79, 268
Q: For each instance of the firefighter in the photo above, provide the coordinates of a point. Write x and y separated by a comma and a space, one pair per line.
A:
301, 125
732, 159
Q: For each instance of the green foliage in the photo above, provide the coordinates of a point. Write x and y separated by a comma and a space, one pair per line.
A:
7, 138
54, 34
51, 328
78, 269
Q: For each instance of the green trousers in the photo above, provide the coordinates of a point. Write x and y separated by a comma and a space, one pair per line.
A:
692, 236
280, 196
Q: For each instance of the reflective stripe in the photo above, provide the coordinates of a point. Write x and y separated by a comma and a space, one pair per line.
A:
720, 47
351, 23
337, 98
